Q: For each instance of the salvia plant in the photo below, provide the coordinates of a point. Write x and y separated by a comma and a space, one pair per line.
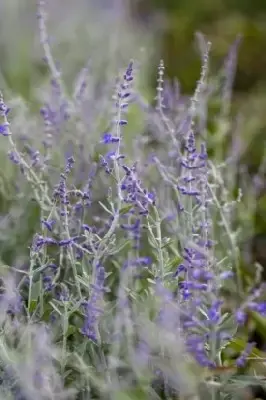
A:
132, 285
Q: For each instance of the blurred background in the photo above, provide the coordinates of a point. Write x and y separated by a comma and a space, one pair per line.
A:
221, 21
170, 24
107, 33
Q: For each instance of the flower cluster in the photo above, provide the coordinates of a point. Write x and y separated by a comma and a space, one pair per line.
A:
196, 259
92, 307
140, 198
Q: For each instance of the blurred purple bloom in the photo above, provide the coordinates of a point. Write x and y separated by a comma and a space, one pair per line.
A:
92, 306
4, 110
49, 224
41, 241
14, 157
258, 307
108, 138
4, 130
241, 317
242, 359
226, 275
137, 262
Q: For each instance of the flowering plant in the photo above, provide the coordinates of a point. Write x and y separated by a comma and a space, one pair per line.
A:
132, 285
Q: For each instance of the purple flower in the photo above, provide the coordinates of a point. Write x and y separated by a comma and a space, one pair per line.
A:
67, 242
124, 93
61, 190
180, 268
137, 262
261, 308
226, 275
258, 307
92, 306
40, 241
52, 266
70, 164
48, 224
133, 231
14, 157
62, 293
196, 346
214, 312
111, 155
143, 261
122, 122
4, 110
134, 193
4, 130
202, 275
108, 138
188, 192
104, 164
241, 317
242, 359
87, 228
191, 143
48, 283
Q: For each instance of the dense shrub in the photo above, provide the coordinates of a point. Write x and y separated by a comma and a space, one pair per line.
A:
122, 275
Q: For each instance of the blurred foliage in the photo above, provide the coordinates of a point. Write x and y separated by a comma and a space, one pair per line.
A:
23, 73
220, 21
